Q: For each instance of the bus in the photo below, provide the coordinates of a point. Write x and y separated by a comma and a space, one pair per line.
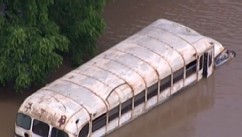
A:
121, 83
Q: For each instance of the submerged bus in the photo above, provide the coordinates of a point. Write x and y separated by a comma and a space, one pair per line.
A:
121, 83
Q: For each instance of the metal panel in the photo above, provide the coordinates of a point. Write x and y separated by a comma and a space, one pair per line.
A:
202, 45
50, 107
178, 45
185, 49
124, 92
160, 48
135, 64
79, 94
122, 71
186, 33
157, 62
107, 78
77, 121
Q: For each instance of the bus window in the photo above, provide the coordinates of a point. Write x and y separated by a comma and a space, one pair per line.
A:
152, 91
84, 131
58, 133
191, 68
126, 106
178, 75
139, 99
114, 113
165, 83
99, 122
40, 128
23, 121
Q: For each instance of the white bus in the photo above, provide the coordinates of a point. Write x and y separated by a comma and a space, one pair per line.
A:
121, 83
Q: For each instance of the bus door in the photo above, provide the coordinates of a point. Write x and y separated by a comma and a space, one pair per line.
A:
206, 63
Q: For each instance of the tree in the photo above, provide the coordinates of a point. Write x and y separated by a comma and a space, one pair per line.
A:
36, 33
30, 42
81, 21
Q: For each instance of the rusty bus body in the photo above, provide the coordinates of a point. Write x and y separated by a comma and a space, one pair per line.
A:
120, 84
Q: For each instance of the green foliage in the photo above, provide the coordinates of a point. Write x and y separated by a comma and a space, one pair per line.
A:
35, 33
30, 43
81, 21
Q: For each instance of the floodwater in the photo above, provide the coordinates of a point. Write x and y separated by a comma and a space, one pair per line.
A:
210, 108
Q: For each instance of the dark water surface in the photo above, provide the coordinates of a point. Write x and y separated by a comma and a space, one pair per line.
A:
210, 108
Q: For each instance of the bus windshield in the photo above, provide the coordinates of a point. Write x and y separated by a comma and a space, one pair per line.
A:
39, 128
23, 121
42, 129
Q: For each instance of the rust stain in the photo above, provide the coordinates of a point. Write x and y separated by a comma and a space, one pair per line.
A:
42, 111
62, 120
28, 107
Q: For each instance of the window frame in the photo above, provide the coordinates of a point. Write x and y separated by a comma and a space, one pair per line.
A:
201, 62
178, 75
191, 68
165, 83
210, 60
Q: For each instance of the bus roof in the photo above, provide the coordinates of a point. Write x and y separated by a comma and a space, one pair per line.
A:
139, 61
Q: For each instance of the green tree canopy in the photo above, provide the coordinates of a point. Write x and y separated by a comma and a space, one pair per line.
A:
81, 21
34, 33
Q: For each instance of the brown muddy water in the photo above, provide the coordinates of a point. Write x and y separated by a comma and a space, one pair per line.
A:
210, 108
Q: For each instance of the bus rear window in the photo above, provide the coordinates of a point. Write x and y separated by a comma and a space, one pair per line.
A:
58, 133
40, 128
23, 121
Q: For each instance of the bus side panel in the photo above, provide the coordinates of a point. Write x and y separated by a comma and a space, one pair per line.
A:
125, 117
138, 110
164, 95
112, 125
151, 102
191, 79
177, 86
99, 132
